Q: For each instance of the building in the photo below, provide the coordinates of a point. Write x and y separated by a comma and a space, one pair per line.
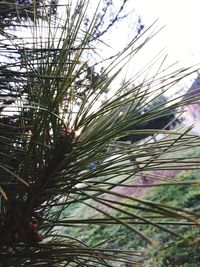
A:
192, 112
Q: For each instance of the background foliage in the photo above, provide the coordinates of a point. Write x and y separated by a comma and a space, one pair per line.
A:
168, 250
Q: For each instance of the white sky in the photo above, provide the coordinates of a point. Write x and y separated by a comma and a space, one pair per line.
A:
182, 20
180, 37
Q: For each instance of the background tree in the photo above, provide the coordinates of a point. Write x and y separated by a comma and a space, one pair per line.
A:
165, 121
15, 12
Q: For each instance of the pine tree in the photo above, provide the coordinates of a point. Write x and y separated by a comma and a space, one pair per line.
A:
51, 133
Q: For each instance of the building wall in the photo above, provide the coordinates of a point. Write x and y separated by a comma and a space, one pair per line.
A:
192, 117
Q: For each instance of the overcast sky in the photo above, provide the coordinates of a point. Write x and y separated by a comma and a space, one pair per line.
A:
182, 20
180, 37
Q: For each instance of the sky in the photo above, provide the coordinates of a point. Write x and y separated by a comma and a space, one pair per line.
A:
180, 38
182, 20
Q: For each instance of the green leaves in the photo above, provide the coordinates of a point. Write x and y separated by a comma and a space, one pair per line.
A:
60, 142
